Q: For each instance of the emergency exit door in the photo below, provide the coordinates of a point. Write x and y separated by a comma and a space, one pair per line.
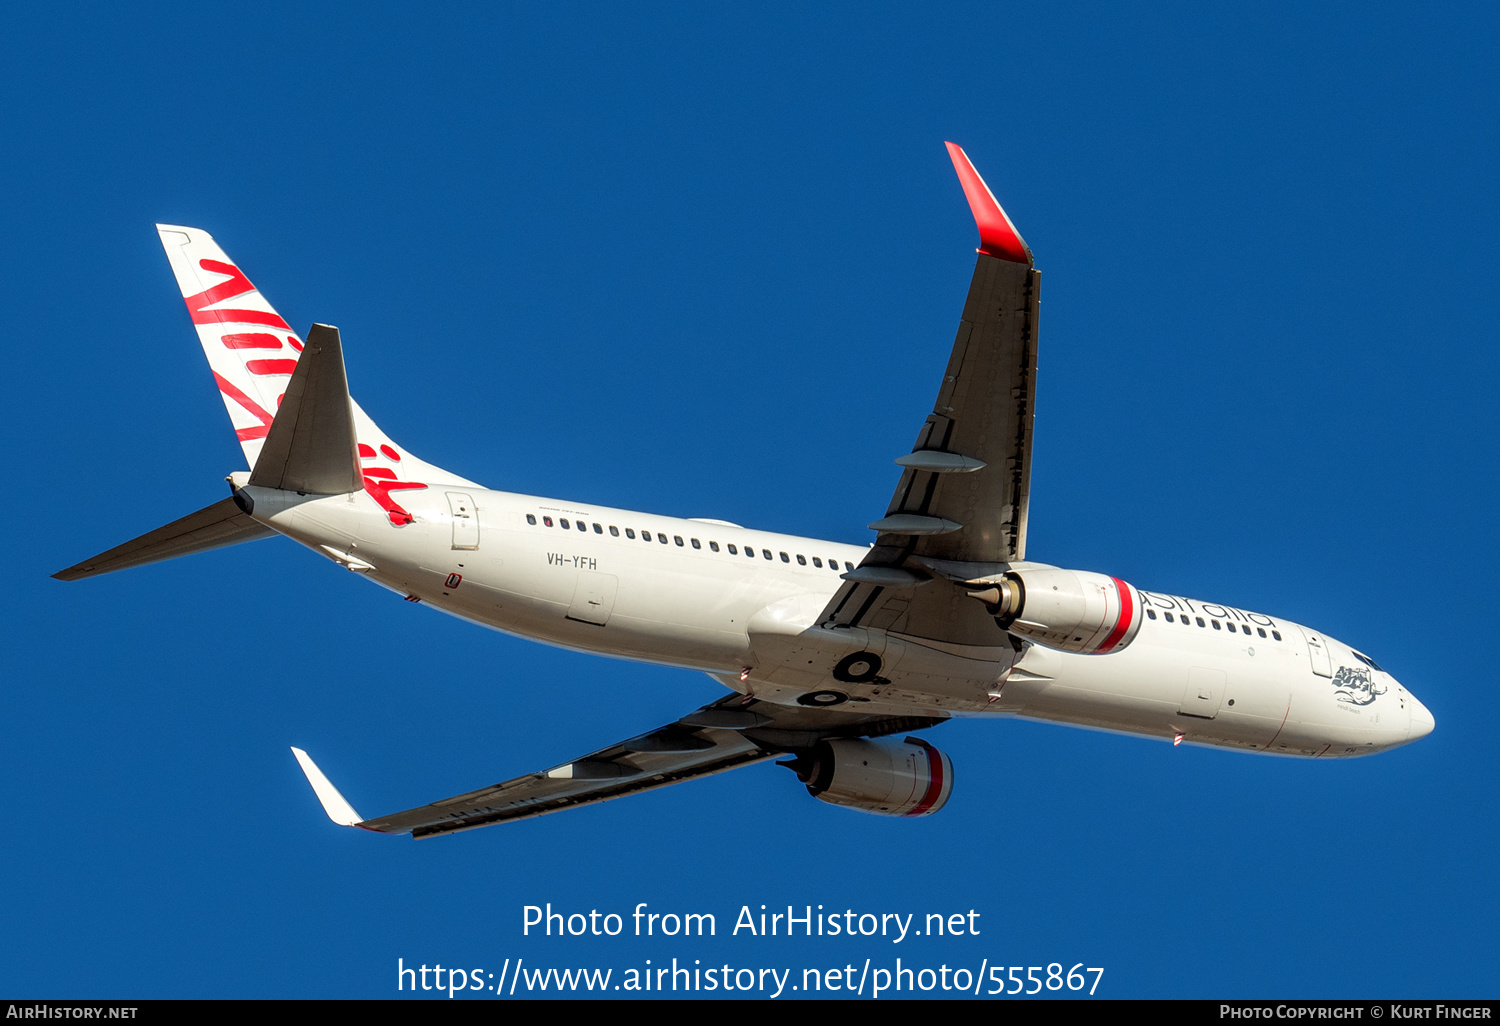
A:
594, 598
1317, 651
465, 521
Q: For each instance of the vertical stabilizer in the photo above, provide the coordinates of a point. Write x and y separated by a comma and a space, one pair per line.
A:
250, 348
253, 354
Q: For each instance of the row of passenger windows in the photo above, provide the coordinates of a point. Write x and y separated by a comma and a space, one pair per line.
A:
1228, 624
713, 546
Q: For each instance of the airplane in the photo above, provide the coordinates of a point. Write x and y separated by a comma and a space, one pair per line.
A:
835, 656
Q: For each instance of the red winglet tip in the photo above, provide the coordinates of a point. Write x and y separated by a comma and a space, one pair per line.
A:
997, 236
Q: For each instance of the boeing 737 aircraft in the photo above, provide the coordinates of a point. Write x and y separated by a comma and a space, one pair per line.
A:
835, 655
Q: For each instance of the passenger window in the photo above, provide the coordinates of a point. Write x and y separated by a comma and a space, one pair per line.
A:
749, 552
801, 559
598, 529
1200, 621
630, 533
848, 566
547, 521
1216, 625
695, 543
766, 553
732, 550
833, 564
1169, 617
817, 562
663, 538
785, 558
678, 539
1276, 635
1151, 614
565, 524
714, 546
583, 527
531, 519
614, 531
1261, 631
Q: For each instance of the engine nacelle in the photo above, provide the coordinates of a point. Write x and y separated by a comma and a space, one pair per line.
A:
883, 776
1071, 610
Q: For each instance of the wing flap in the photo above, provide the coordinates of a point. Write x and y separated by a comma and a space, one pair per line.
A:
212, 527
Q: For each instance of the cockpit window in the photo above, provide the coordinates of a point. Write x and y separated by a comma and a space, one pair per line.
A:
1367, 660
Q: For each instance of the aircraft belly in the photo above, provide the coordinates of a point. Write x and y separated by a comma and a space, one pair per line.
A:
1224, 699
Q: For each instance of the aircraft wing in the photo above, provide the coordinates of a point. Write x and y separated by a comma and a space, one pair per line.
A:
733, 731
965, 486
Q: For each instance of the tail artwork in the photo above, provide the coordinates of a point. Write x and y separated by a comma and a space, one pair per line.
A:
298, 426
251, 349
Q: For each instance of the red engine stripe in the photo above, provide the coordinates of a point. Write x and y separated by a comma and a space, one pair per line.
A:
1127, 617
934, 777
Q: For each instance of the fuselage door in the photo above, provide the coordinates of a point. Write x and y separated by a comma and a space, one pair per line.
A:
1317, 650
465, 521
594, 598
1205, 690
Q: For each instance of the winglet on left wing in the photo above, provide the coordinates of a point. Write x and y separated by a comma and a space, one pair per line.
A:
339, 810
997, 236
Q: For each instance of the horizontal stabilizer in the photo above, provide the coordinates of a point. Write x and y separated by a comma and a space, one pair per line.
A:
219, 525
311, 446
340, 811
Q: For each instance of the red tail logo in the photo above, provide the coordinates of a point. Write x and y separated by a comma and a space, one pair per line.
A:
381, 481
239, 285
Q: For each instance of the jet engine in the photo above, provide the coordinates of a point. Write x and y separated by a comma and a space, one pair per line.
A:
883, 776
1071, 610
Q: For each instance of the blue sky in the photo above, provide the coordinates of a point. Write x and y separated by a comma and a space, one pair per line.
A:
708, 262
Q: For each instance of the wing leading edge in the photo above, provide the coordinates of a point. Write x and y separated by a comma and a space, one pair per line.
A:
720, 736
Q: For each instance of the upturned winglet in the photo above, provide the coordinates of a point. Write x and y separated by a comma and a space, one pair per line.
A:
340, 811
997, 236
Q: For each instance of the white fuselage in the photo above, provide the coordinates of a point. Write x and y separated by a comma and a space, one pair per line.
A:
1212, 675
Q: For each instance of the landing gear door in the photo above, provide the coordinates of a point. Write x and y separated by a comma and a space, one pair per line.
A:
465, 521
1317, 651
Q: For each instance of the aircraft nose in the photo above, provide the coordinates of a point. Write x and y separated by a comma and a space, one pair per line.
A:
1421, 720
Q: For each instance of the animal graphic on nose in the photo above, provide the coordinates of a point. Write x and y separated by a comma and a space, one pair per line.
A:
1355, 686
